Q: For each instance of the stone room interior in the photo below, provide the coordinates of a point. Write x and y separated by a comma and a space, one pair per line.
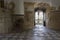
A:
29, 19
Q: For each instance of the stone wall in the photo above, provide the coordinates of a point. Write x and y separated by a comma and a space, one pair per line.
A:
5, 21
29, 15
53, 20
18, 23
29, 20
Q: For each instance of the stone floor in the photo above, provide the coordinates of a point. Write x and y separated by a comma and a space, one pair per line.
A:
38, 33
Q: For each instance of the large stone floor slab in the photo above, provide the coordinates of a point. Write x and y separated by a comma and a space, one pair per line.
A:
38, 33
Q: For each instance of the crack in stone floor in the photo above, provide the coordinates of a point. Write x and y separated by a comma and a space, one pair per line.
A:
38, 33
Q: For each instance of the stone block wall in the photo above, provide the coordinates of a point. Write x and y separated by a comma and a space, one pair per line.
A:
5, 21
29, 20
18, 22
28, 15
53, 20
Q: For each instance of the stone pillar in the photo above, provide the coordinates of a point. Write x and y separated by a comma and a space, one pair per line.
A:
29, 15
19, 6
19, 14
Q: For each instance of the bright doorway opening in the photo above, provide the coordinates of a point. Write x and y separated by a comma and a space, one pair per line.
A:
39, 17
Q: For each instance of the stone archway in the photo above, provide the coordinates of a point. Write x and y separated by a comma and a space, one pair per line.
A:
43, 6
29, 13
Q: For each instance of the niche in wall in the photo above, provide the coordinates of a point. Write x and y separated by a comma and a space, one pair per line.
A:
2, 3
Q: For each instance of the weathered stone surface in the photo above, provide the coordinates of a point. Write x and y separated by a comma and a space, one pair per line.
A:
38, 33
53, 20
5, 21
29, 15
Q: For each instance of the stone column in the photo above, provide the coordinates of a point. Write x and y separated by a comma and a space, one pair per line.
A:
19, 6
29, 16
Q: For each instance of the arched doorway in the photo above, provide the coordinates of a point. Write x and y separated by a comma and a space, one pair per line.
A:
40, 13
40, 16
